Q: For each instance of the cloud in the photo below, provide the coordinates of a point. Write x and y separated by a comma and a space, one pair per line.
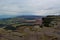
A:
29, 7
48, 12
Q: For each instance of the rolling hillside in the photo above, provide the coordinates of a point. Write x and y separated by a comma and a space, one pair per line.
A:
11, 29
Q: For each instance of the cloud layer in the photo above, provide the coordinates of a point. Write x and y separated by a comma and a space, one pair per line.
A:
29, 7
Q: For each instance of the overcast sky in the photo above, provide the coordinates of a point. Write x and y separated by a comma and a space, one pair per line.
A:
29, 7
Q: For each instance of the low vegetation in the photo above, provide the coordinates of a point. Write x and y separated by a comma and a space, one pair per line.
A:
13, 29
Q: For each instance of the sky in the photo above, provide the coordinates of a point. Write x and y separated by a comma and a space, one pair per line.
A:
29, 7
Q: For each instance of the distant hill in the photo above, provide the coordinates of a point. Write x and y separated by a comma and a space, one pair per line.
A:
6, 16
30, 17
18, 19
21, 16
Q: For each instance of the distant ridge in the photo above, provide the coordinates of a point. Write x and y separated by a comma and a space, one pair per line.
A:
29, 16
20, 16
5, 16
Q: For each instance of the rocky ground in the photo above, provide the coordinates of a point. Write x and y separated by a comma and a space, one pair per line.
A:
45, 33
